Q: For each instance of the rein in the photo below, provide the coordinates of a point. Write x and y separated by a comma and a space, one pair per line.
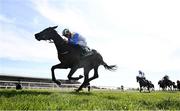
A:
51, 41
65, 52
61, 43
62, 53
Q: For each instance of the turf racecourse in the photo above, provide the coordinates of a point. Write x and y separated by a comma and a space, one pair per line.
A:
95, 100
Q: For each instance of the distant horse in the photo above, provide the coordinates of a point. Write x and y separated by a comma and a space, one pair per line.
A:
151, 86
143, 83
166, 83
174, 86
161, 84
70, 57
169, 84
178, 85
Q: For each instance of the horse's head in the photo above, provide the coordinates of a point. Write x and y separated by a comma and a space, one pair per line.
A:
159, 82
137, 78
173, 83
177, 81
46, 34
152, 85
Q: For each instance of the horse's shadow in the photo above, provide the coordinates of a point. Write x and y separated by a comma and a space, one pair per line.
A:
12, 93
80, 93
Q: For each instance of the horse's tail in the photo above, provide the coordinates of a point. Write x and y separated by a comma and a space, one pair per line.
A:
100, 60
109, 67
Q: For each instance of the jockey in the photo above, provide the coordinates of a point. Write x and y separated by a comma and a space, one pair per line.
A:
76, 39
141, 74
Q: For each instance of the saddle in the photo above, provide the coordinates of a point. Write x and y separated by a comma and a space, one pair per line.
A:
86, 51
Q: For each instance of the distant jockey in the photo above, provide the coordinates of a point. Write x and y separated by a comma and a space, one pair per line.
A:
141, 74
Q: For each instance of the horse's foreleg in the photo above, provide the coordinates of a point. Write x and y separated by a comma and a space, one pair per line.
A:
72, 72
148, 89
53, 75
140, 88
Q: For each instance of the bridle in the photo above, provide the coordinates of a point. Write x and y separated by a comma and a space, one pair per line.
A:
64, 53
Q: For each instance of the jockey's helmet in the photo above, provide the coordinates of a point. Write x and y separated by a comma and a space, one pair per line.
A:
65, 32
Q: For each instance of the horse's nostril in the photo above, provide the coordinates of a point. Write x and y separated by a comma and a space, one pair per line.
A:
37, 36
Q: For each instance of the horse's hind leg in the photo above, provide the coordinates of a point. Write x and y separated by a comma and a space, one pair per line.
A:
94, 77
95, 74
86, 81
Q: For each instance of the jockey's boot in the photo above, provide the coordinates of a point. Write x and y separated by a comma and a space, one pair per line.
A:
85, 51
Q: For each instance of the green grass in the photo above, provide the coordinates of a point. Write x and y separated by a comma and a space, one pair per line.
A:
95, 100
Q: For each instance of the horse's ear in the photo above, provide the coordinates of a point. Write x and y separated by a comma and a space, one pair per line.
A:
54, 27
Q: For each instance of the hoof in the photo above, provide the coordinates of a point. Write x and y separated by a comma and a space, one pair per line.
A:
80, 76
89, 88
87, 85
58, 83
77, 90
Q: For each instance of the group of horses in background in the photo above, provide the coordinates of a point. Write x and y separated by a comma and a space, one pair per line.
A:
144, 83
165, 83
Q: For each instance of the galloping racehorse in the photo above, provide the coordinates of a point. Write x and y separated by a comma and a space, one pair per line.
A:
165, 83
144, 83
70, 57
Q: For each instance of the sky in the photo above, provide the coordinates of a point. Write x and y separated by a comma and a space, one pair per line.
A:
132, 34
